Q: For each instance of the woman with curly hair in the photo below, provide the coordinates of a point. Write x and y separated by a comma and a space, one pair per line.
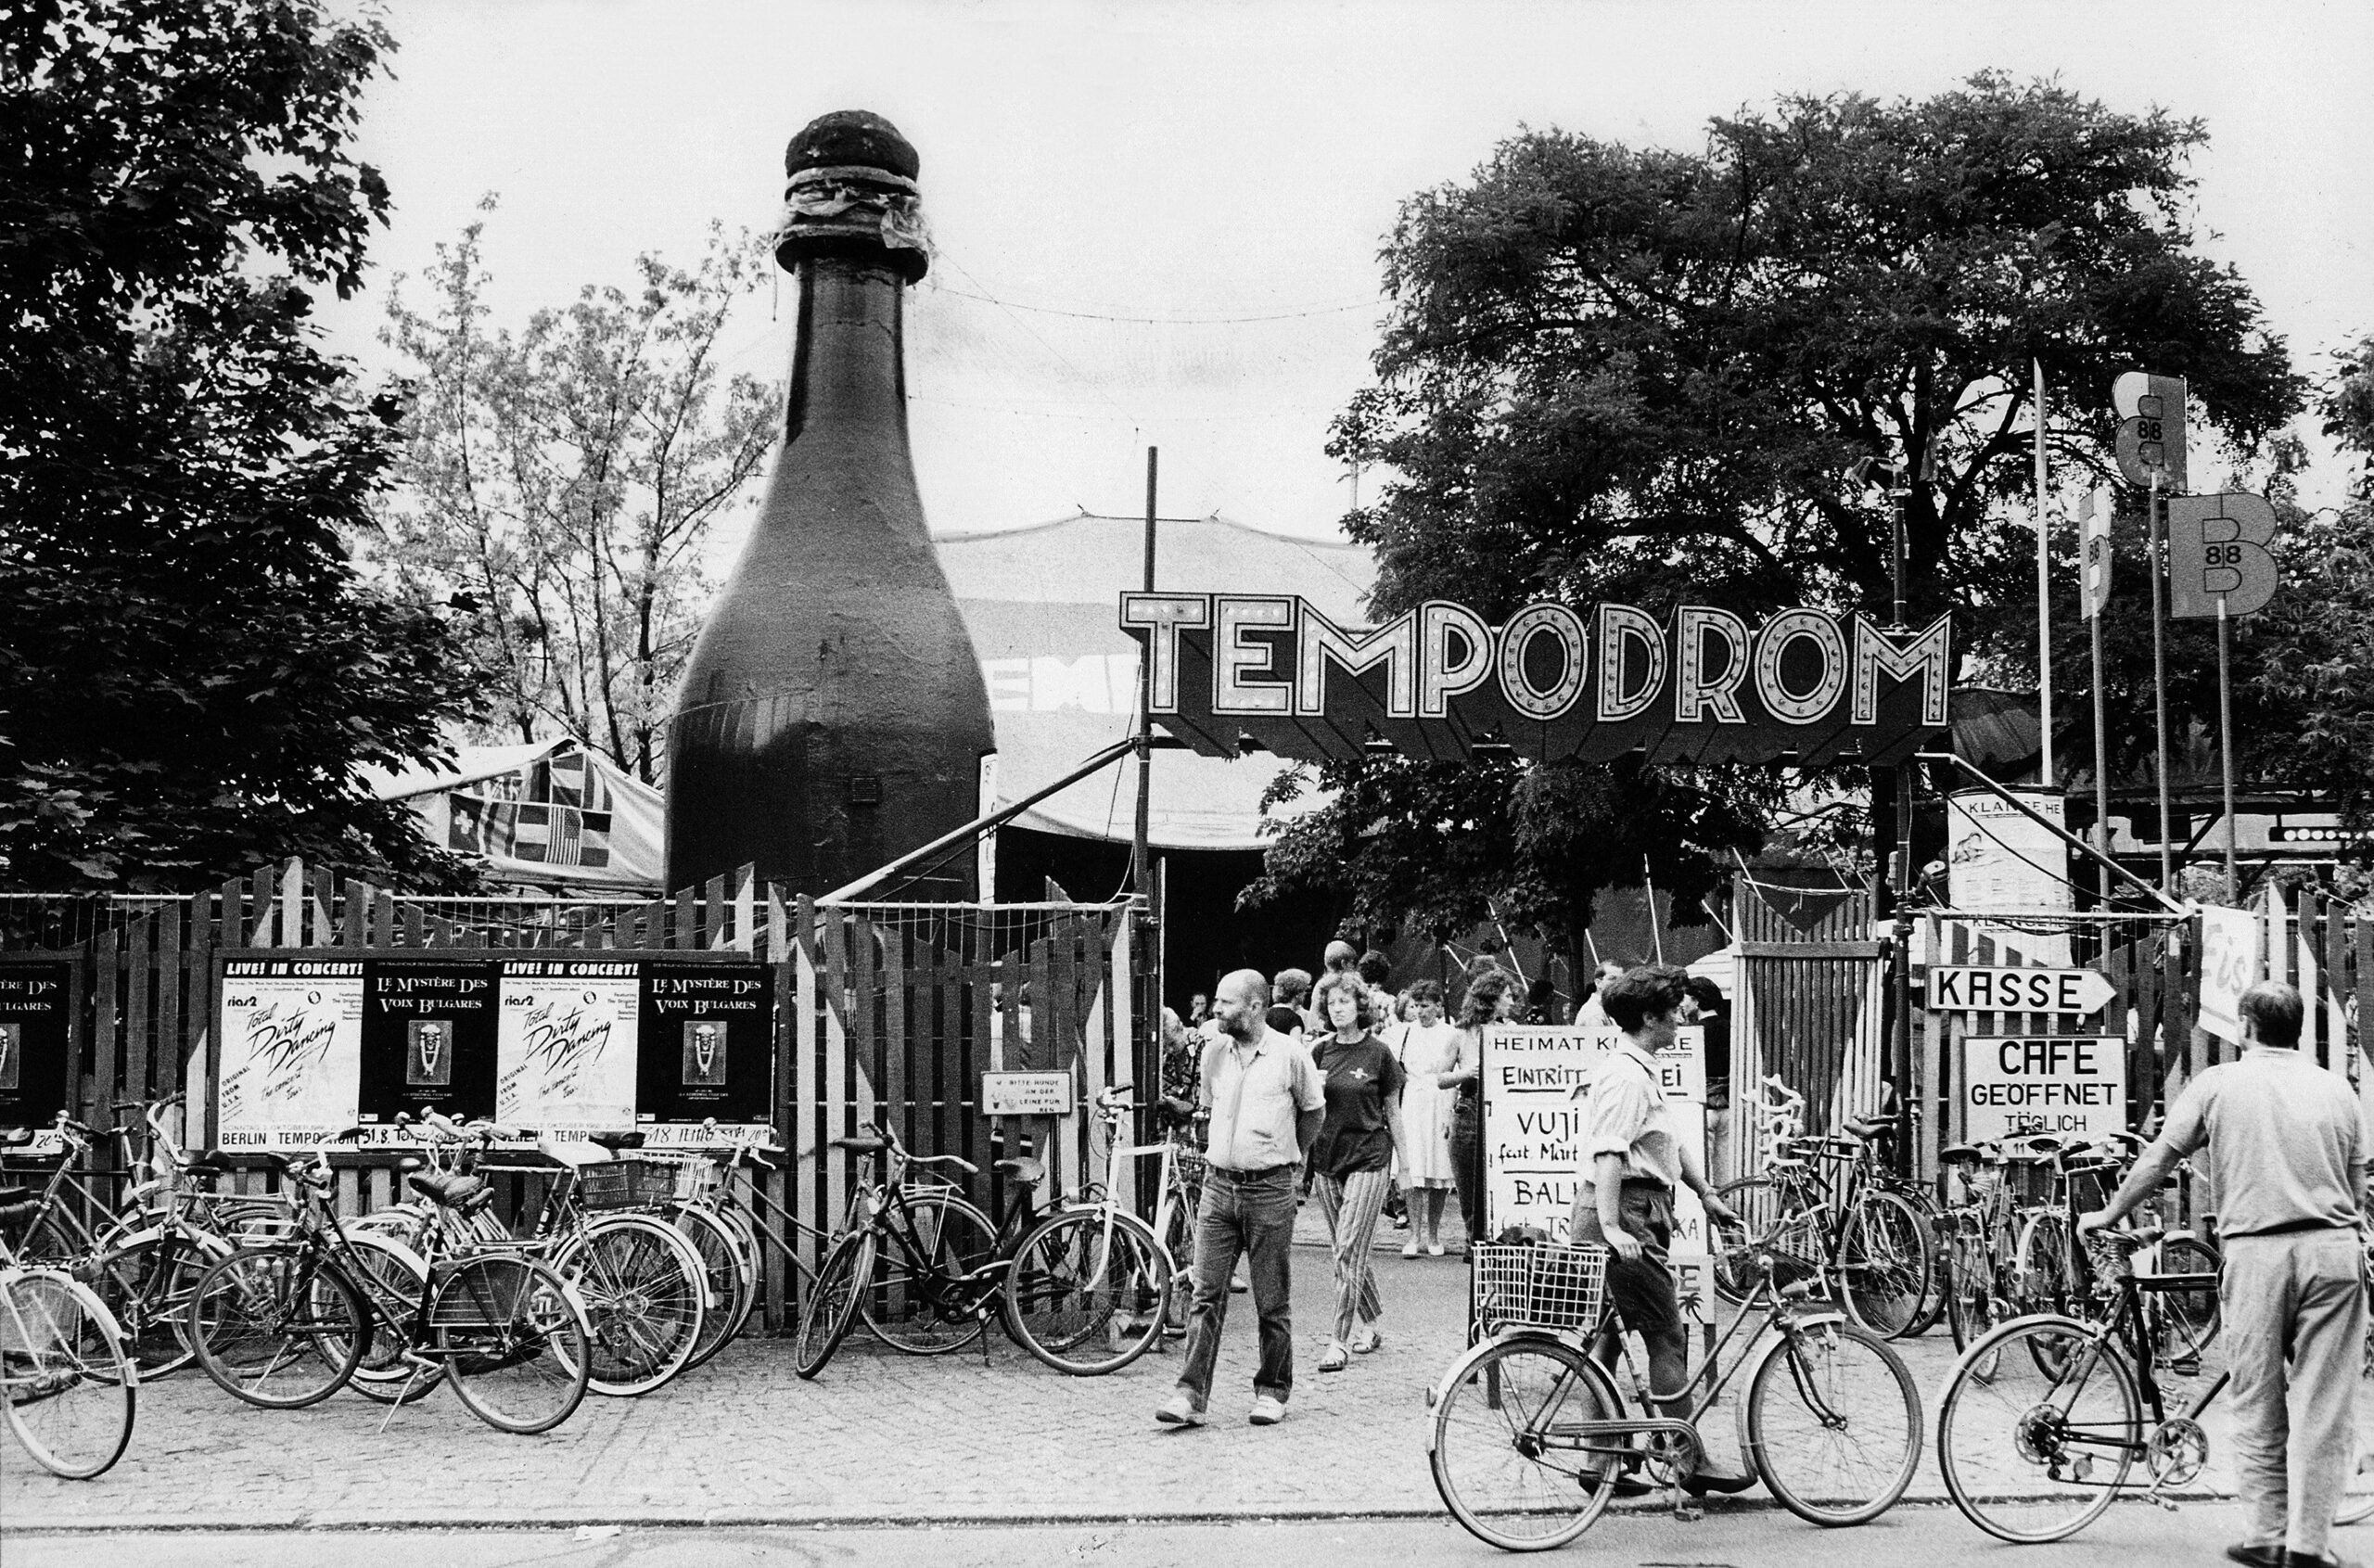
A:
1492, 997
1351, 1161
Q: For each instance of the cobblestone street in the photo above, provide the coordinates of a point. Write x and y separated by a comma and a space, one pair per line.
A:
880, 1436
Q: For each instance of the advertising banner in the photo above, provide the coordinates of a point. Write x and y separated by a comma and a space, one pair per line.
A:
566, 1044
1998, 858
2229, 965
36, 1014
290, 1065
1534, 1120
429, 1041
705, 1039
2072, 1088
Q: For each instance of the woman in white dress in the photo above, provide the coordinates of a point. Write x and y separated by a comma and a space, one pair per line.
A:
1428, 1047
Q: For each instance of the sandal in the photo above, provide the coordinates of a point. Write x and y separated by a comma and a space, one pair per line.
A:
1367, 1343
1334, 1360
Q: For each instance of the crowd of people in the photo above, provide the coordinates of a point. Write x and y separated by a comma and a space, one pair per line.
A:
1363, 1101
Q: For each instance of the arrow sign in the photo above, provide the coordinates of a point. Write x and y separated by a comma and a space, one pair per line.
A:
1976, 988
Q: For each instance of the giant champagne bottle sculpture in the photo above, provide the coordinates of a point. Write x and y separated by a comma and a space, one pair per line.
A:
833, 715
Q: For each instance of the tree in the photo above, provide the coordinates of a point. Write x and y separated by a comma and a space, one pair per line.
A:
1643, 374
559, 487
190, 672
2308, 672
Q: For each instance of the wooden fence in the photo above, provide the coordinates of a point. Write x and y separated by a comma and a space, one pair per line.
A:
882, 1013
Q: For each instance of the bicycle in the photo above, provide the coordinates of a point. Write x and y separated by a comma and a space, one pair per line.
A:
287, 1324
70, 1391
1869, 1245
140, 1258
1531, 1437
1073, 1288
642, 1285
2050, 1272
2043, 1417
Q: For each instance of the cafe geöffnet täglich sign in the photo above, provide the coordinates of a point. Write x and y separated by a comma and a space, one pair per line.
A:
1551, 682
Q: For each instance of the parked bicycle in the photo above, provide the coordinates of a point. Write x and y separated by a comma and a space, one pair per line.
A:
1532, 1436
642, 1285
1821, 1211
2045, 1419
287, 1324
1083, 1289
70, 1391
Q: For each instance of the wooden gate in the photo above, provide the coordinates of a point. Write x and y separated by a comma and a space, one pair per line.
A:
1806, 1005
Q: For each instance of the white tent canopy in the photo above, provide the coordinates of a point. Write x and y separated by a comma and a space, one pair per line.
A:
1042, 603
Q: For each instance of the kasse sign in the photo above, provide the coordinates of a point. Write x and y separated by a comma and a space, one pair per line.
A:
1551, 682
1979, 988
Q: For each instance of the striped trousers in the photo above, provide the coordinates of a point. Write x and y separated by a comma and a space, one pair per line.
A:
1350, 1204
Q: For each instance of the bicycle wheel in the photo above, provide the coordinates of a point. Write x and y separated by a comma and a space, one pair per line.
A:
1178, 1241
2043, 1275
2030, 1455
731, 1289
831, 1307
1834, 1422
392, 1279
1974, 1299
1883, 1264
1085, 1292
277, 1327
1507, 1455
2046, 1283
70, 1388
641, 1284
515, 1339
148, 1283
2187, 1319
907, 1306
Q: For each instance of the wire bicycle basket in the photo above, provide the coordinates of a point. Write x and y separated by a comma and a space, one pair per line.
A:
1539, 1287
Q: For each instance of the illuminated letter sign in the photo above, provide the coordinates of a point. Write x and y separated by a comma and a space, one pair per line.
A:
1395, 647
1232, 670
1565, 629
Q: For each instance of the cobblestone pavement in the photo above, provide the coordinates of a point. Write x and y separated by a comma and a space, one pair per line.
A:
879, 1437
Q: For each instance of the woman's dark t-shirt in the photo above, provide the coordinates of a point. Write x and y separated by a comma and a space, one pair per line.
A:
1286, 1020
1362, 1080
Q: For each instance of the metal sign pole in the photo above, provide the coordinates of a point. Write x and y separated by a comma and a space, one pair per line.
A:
1139, 869
2044, 597
2226, 733
2101, 766
2160, 674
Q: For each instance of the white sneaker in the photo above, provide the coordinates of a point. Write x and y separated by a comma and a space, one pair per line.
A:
1268, 1410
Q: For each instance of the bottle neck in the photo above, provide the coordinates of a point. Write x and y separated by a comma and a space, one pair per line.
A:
849, 364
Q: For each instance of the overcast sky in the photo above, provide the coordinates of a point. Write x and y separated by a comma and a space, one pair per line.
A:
1188, 166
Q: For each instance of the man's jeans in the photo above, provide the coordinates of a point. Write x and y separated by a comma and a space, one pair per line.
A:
2301, 1299
1253, 1214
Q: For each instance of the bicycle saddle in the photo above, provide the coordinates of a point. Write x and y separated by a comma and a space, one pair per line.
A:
16, 1204
467, 1193
613, 1141
861, 1143
1177, 1110
1961, 1151
10, 1137
214, 1162
1868, 1127
1029, 1172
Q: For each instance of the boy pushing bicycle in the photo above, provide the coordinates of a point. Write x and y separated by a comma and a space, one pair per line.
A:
1625, 1198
